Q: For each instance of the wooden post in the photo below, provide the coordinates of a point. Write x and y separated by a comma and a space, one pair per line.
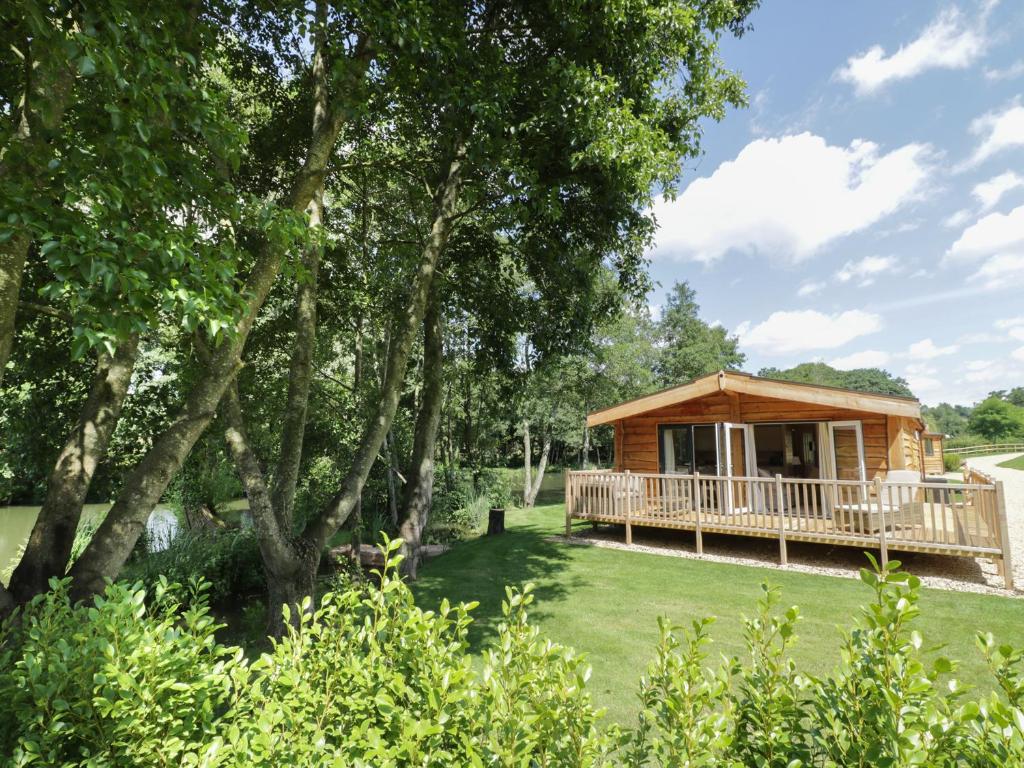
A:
783, 554
628, 503
881, 522
569, 503
1004, 535
696, 510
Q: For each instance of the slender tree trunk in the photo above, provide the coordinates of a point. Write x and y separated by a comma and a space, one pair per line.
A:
340, 507
46, 93
527, 464
288, 566
148, 480
357, 513
419, 486
541, 466
300, 377
53, 535
586, 445
12, 266
389, 452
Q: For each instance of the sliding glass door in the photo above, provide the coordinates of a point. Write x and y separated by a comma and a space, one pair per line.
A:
710, 449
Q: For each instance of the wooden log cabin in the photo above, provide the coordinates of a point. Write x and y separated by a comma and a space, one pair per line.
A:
732, 423
735, 453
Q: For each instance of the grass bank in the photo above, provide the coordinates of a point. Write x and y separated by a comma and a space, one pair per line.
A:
605, 603
1017, 463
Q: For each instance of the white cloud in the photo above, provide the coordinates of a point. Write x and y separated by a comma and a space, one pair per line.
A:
921, 369
926, 349
805, 330
991, 371
1018, 354
998, 131
958, 219
949, 42
990, 192
979, 337
1002, 271
869, 358
809, 288
867, 269
921, 385
1016, 69
790, 196
992, 234
1017, 333
1009, 322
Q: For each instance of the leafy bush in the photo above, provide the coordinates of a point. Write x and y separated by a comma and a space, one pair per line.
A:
458, 510
227, 560
136, 679
952, 462
369, 679
496, 486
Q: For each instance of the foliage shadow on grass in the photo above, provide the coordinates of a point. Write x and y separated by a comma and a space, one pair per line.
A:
480, 569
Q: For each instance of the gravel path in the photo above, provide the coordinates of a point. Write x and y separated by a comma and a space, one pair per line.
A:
962, 574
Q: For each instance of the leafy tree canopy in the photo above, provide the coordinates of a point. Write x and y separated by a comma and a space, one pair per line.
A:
690, 347
997, 419
875, 380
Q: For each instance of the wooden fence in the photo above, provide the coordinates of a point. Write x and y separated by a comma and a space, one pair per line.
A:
965, 519
968, 451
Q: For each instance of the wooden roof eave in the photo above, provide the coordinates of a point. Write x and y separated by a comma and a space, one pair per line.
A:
691, 391
751, 385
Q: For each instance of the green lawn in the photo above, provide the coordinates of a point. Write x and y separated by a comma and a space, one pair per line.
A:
1017, 463
605, 603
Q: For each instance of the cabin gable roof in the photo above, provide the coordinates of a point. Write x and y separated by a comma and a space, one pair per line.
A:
745, 383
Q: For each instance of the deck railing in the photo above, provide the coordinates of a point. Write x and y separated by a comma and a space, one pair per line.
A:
966, 519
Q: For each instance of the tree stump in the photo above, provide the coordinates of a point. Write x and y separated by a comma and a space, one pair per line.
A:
496, 521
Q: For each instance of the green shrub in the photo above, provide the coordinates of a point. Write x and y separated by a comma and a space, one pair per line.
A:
128, 681
367, 678
952, 462
370, 679
495, 485
228, 561
458, 510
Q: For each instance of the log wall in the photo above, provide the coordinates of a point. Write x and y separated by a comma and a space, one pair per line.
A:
889, 442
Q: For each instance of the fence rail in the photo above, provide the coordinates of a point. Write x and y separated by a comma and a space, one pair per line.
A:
965, 519
984, 450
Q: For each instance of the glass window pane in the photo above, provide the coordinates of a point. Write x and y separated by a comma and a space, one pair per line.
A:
705, 448
676, 451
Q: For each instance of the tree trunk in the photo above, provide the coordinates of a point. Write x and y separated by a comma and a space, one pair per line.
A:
419, 488
586, 445
389, 452
46, 94
53, 535
286, 473
534, 489
527, 464
289, 568
340, 507
148, 480
12, 265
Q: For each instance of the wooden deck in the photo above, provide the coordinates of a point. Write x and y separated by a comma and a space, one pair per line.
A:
959, 519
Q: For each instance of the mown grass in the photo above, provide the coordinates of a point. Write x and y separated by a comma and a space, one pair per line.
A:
1017, 463
605, 603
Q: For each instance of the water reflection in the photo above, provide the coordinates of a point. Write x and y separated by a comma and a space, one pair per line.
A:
16, 526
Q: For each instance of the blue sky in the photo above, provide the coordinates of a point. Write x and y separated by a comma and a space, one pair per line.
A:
868, 207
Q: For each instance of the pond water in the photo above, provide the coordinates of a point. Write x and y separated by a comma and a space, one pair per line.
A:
16, 526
